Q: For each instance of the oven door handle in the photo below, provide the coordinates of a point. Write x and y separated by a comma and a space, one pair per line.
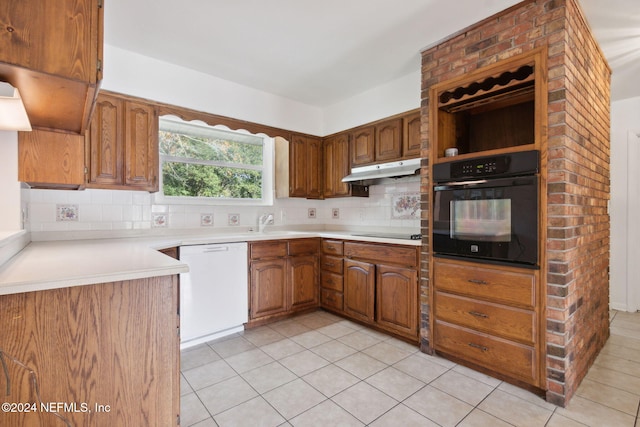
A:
482, 183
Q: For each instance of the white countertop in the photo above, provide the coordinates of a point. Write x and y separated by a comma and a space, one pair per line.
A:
65, 263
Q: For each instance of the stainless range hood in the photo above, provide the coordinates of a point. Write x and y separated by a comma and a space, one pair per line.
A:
384, 170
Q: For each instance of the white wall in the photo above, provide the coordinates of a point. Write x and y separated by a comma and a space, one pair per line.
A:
395, 97
625, 269
137, 75
133, 74
10, 216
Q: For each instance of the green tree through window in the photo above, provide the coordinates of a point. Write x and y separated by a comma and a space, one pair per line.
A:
200, 161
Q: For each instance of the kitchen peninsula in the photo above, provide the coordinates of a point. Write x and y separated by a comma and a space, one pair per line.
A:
118, 297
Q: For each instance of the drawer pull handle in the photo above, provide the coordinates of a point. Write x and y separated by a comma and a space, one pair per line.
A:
478, 346
477, 281
329, 264
478, 314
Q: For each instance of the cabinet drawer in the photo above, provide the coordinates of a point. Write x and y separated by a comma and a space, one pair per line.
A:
387, 254
506, 286
503, 356
511, 323
331, 263
303, 246
271, 249
331, 281
331, 299
332, 247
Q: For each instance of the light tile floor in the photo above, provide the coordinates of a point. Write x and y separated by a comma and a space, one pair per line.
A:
321, 370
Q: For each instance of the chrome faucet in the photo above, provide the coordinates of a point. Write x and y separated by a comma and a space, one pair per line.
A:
263, 221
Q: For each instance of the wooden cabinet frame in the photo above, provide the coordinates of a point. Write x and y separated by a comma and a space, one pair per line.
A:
440, 128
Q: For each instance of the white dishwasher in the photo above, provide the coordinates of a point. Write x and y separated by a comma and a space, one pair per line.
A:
214, 293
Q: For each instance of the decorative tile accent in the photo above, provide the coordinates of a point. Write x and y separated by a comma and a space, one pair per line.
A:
66, 212
159, 220
311, 213
335, 213
206, 220
234, 219
405, 206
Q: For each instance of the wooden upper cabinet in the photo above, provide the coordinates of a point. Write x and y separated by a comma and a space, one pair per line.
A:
411, 136
305, 167
336, 166
388, 140
141, 146
52, 52
363, 146
297, 166
315, 173
51, 159
105, 165
123, 142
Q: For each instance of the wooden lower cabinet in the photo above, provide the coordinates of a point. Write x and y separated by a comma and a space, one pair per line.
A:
331, 275
489, 316
379, 286
397, 298
359, 290
303, 279
110, 352
506, 357
268, 287
283, 277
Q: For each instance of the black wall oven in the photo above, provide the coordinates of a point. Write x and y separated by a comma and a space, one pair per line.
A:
487, 208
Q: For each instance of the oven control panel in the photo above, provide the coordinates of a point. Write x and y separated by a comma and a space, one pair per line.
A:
480, 168
511, 164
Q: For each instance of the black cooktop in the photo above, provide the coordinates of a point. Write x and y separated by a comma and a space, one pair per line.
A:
392, 236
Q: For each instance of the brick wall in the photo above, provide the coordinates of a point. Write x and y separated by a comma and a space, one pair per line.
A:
577, 151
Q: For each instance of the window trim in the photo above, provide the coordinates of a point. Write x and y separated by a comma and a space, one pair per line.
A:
267, 168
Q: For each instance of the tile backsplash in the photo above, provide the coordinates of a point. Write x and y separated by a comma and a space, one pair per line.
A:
394, 204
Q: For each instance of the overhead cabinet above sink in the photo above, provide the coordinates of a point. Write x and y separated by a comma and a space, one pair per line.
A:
52, 52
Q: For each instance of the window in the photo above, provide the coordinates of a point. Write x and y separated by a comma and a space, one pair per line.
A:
205, 164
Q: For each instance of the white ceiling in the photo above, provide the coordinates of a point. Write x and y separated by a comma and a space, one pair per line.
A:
320, 52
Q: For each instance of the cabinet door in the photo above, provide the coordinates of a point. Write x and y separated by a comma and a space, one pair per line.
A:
389, 140
61, 38
303, 281
359, 290
141, 146
411, 140
362, 146
268, 287
105, 165
336, 166
298, 166
314, 168
397, 299
51, 159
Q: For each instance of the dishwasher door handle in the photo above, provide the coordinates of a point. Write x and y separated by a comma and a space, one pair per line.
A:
216, 249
